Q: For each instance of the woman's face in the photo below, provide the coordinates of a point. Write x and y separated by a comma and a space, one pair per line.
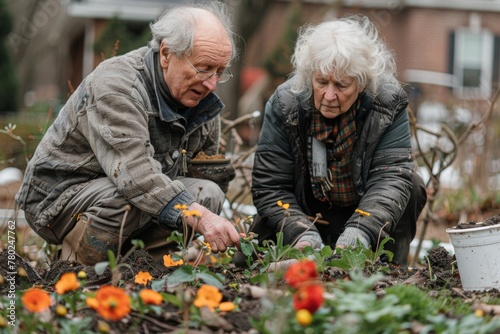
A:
333, 97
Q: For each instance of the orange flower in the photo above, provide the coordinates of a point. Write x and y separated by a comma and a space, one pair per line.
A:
301, 272
168, 262
149, 296
209, 296
226, 306
111, 303
67, 282
143, 277
308, 297
36, 300
92, 302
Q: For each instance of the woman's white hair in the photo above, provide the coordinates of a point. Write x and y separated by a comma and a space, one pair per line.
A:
348, 46
178, 26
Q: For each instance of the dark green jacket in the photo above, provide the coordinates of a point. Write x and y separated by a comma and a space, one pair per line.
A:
382, 163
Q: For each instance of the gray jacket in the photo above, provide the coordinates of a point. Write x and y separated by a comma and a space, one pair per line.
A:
382, 163
112, 126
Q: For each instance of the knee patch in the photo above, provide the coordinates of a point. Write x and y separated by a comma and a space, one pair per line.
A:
94, 245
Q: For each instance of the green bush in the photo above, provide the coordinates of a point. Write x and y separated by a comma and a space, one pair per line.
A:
128, 38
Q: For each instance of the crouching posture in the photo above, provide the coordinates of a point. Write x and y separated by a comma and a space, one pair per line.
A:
336, 143
114, 165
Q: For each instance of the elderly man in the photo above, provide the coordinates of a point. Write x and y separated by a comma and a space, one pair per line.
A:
113, 166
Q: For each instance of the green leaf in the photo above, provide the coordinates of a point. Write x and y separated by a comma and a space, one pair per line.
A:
100, 267
112, 259
139, 244
171, 299
156, 309
157, 285
349, 260
326, 251
259, 278
176, 237
181, 275
246, 247
211, 279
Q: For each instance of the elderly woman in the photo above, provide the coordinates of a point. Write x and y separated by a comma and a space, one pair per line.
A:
335, 144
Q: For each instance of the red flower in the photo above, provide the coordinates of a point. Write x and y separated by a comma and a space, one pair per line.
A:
301, 272
308, 297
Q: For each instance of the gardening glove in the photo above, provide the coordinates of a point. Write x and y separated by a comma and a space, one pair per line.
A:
220, 171
217, 231
349, 237
309, 238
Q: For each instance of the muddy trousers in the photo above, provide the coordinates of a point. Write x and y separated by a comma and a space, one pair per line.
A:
102, 222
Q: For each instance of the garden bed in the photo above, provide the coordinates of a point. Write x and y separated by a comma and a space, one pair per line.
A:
262, 298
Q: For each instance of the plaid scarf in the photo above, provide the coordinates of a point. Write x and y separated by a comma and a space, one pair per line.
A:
339, 136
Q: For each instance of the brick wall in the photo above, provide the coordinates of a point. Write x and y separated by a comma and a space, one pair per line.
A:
419, 36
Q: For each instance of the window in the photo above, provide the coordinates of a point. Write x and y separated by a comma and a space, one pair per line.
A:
473, 63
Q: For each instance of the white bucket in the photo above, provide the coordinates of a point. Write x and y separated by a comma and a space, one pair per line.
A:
477, 251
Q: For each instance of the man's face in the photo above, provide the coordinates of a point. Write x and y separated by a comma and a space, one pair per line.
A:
333, 97
211, 52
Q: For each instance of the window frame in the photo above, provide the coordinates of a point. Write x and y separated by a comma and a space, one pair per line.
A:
486, 65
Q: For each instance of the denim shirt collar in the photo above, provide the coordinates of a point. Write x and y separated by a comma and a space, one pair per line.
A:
208, 108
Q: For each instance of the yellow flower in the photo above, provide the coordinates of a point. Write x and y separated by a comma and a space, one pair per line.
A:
362, 213
168, 262
193, 213
304, 317
149, 296
36, 300
180, 206
103, 327
61, 311
22, 272
67, 282
143, 277
209, 296
3, 322
82, 274
283, 205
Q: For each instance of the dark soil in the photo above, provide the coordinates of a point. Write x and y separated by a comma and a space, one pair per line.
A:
487, 222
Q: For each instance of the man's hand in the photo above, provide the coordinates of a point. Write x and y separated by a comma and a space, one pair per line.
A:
218, 232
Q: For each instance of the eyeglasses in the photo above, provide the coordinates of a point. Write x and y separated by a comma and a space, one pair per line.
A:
205, 75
